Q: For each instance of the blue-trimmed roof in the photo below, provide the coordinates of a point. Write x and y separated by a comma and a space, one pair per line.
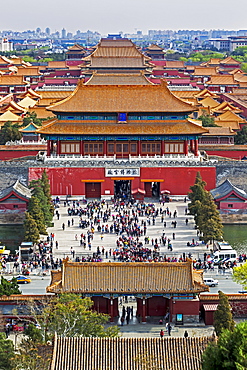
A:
226, 188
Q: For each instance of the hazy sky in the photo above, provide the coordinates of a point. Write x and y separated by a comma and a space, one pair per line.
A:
112, 16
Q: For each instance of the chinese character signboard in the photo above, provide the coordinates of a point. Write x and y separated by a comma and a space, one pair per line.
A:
122, 172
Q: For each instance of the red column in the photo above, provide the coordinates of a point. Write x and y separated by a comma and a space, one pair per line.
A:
58, 147
196, 147
139, 147
48, 148
105, 148
82, 147
52, 147
186, 147
143, 310
192, 146
162, 147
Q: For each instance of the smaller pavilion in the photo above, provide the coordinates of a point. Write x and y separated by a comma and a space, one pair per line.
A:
228, 197
158, 287
14, 203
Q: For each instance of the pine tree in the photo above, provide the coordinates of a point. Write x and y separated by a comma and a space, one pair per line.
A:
37, 214
31, 231
47, 191
196, 195
37, 191
223, 316
209, 221
206, 215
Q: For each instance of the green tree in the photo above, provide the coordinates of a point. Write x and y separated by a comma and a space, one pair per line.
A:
31, 231
31, 117
70, 315
240, 275
206, 215
196, 195
8, 287
6, 353
223, 316
35, 210
47, 192
30, 357
9, 132
207, 120
241, 137
44, 202
229, 352
208, 220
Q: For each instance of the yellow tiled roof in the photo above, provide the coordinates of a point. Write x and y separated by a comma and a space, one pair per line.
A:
118, 79
225, 106
124, 98
220, 131
27, 102
79, 353
12, 80
209, 102
222, 80
41, 112
232, 124
230, 116
115, 277
205, 71
28, 71
9, 116
174, 64
137, 128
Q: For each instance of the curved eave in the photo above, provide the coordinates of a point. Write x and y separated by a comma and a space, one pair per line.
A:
121, 98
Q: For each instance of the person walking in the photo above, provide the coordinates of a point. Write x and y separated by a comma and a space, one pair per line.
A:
162, 333
169, 328
186, 334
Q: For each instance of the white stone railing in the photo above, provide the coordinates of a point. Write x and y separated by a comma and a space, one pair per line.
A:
30, 142
130, 160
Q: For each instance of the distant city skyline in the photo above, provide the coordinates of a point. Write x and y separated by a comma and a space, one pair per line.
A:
128, 16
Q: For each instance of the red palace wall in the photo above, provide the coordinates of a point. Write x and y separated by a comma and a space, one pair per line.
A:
11, 154
234, 154
71, 181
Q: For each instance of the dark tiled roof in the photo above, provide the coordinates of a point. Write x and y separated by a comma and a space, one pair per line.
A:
227, 188
135, 277
128, 353
17, 188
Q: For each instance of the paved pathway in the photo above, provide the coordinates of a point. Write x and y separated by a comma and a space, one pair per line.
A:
183, 234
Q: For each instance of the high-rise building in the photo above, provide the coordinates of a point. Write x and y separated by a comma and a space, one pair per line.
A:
48, 31
64, 33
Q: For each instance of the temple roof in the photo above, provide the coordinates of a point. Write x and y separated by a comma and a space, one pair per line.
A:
76, 47
154, 47
121, 53
7, 80
30, 128
209, 102
28, 71
230, 116
124, 98
18, 188
9, 116
82, 353
27, 102
118, 79
230, 60
226, 106
174, 64
219, 131
132, 277
222, 80
183, 127
205, 93
225, 189
205, 71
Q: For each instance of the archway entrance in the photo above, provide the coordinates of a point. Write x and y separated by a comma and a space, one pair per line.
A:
152, 189
122, 189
